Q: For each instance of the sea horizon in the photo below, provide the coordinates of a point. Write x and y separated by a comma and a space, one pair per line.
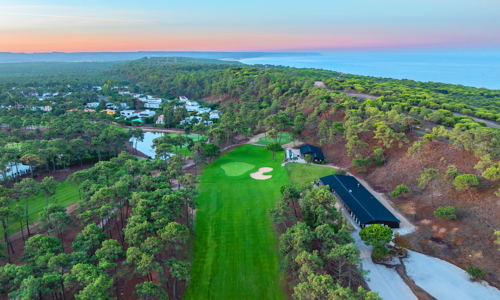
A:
475, 68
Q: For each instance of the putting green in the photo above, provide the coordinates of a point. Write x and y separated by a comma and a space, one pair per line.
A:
236, 168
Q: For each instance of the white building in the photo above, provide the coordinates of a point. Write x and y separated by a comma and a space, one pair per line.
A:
202, 110
93, 104
46, 95
128, 113
159, 120
215, 114
152, 105
146, 113
96, 87
195, 120
183, 98
124, 106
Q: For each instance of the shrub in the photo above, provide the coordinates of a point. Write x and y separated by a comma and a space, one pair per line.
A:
445, 212
400, 189
308, 158
429, 137
380, 252
475, 272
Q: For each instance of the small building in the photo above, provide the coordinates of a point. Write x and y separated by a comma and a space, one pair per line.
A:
109, 111
315, 152
215, 114
88, 110
93, 104
183, 98
159, 120
128, 113
364, 208
145, 114
202, 110
47, 108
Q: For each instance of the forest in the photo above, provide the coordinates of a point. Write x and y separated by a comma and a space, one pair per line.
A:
133, 222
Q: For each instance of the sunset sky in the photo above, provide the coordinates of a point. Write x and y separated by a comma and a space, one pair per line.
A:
260, 25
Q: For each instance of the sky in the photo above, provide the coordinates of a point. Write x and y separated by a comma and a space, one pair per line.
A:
259, 25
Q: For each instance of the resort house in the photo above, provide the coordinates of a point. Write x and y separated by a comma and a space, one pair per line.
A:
315, 152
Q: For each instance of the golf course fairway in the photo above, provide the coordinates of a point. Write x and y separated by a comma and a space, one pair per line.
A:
236, 254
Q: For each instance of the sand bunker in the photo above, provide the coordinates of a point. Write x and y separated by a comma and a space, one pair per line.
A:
260, 174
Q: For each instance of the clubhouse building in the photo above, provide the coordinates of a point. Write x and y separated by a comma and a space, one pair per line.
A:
364, 208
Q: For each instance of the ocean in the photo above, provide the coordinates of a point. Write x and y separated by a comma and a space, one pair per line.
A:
469, 68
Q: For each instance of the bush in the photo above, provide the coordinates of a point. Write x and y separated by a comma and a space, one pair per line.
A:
445, 212
380, 252
308, 158
429, 137
475, 272
400, 189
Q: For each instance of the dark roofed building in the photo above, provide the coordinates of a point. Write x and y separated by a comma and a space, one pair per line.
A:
314, 151
359, 202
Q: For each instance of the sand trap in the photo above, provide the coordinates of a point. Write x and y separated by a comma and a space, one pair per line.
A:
260, 174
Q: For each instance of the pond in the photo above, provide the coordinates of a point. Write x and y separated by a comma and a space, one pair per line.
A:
146, 146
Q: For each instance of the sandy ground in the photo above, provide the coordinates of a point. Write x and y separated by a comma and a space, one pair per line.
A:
259, 174
256, 138
446, 281
383, 280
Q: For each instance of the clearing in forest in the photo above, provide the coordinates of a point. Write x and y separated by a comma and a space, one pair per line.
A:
236, 254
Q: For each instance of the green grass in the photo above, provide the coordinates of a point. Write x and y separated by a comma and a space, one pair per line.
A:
285, 139
236, 168
66, 194
305, 174
236, 254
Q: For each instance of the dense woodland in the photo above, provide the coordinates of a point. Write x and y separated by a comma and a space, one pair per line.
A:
136, 223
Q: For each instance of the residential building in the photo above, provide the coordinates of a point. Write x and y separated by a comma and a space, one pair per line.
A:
71, 110
315, 152
146, 113
93, 104
88, 110
124, 106
128, 113
215, 114
159, 120
195, 121
202, 110
183, 98
152, 105
364, 208
192, 120
47, 108
96, 87
109, 111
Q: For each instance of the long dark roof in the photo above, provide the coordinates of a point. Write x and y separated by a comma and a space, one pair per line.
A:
314, 151
360, 201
